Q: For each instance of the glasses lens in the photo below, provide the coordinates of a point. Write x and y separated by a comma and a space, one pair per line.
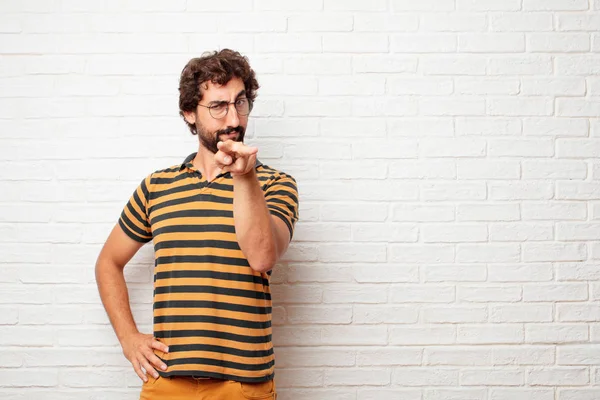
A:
218, 110
243, 106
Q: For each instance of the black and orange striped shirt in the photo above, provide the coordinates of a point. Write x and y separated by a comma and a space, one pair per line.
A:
210, 307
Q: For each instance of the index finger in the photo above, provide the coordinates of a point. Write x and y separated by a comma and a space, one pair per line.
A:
160, 346
239, 148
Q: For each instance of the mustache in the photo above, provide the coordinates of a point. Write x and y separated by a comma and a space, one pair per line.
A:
238, 129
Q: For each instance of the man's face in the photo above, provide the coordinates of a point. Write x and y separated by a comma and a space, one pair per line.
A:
231, 126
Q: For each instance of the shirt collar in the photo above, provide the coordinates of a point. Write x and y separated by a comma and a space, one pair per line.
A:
188, 162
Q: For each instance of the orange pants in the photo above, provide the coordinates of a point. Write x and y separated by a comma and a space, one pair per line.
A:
188, 388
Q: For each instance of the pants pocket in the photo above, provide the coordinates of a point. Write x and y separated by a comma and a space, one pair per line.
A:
258, 391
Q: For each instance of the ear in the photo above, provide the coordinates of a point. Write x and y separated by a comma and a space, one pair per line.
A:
190, 117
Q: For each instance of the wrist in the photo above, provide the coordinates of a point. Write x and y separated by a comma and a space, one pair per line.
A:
248, 176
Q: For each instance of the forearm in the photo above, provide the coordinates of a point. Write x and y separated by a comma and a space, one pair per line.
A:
254, 227
115, 298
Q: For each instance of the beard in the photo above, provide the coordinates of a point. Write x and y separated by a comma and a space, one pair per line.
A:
210, 140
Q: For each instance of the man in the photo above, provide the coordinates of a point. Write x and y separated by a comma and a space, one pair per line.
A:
219, 221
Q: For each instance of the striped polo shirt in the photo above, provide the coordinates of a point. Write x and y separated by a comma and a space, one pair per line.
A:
210, 307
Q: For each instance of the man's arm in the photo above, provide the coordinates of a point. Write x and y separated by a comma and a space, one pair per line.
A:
262, 237
137, 347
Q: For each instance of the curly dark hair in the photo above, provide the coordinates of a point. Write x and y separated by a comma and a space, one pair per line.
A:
219, 67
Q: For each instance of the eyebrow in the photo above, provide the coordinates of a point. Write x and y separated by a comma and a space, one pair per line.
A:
241, 93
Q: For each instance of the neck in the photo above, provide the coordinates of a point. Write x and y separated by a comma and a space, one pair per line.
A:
205, 163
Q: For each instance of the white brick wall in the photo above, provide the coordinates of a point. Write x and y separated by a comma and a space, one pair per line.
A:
447, 154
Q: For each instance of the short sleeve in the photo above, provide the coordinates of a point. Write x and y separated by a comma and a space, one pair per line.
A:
282, 200
134, 219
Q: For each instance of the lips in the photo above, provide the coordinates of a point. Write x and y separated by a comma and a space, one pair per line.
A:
230, 136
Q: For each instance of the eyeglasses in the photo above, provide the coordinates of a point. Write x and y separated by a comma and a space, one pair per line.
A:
219, 110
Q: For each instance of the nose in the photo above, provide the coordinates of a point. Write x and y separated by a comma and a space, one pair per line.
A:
233, 119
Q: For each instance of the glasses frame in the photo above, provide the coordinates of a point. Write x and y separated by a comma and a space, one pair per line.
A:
211, 108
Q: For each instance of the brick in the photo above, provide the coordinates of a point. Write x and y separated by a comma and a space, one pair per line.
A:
520, 232
385, 273
554, 293
523, 355
471, 314
553, 87
572, 376
384, 314
577, 271
521, 22
406, 376
577, 190
453, 233
487, 252
350, 212
579, 394
358, 377
520, 107
424, 43
456, 191
521, 394
577, 65
416, 86
529, 190
288, 43
496, 377
488, 5
355, 5
521, 65
479, 169
387, 63
555, 127
554, 169
555, 5
577, 231
26, 378
353, 43
422, 213
433, 334
320, 23
385, 233
556, 333
558, 42
426, 5
432, 253
578, 22
453, 22
459, 147
578, 148
422, 294
380, 22
490, 86
521, 312
577, 107
318, 315
555, 211
457, 355
577, 312
290, 357
485, 293
578, 355
274, 5
354, 335
421, 169
352, 252
346, 294
491, 43
490, 334
487, 212
389, 356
